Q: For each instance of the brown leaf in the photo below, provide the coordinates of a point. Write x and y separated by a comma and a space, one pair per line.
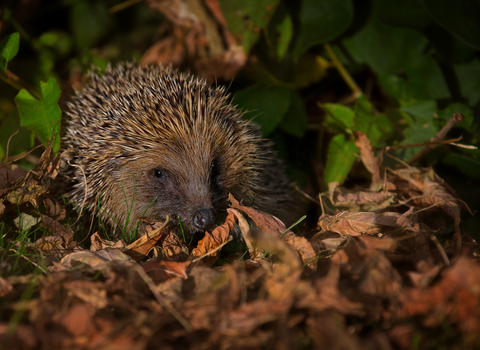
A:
211, 241
98, 243
360, 200
90, 292
76, 320
269, 223
368, 159
425, 191
5, 287
172, 248
363, 223
256, 313
97, 260
456, 296
162, 270
142, 246
329, 296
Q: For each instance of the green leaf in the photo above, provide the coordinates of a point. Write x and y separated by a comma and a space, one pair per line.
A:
340, 158
90, 21
375, 126
60, 41
468, 80
394, 85
18, 143
339, 117
426, 81
41, 116
322, 21
417, 133
387, 49
285, 32
458, 17
422, 111
295, 120
246, 18
8, 49
265, 104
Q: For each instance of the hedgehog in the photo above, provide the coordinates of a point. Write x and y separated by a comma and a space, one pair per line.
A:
150, 141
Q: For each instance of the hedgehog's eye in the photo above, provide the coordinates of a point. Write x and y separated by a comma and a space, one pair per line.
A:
214, 174
159, 173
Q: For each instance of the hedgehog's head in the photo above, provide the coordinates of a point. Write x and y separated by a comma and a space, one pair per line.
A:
185, 173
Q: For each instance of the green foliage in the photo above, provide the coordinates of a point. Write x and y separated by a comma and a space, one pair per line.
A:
246, 18
396, 70
8, 49
265, 104
42, 116
340, 158
322, 21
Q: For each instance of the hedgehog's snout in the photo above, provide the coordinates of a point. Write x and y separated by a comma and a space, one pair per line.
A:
204, 219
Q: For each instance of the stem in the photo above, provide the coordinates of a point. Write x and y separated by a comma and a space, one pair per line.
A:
456, 118
19, 84
343, 72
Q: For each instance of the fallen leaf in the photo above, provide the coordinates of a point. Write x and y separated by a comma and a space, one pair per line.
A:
162, 270
363, 223
209, 244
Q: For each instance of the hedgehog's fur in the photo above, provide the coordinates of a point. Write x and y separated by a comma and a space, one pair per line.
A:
130, 121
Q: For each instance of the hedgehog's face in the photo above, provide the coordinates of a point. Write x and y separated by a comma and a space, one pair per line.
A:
191, 191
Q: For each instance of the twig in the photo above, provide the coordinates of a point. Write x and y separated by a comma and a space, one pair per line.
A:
357, 92
456, 118
440, 249
178, 316
306, 195
434, 143
123, 5
19, 84
29, 260
6, 153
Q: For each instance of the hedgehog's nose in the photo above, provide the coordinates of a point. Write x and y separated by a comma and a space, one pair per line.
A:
204, 219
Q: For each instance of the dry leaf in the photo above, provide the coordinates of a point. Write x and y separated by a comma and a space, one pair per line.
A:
363, 223
209, 244
162, 270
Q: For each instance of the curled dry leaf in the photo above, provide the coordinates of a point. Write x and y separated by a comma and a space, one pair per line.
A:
269, 223
96, 260
368, 159
425, 191
34, 186
208, 245
360, 200
364, 223
142, 246
98, 243
171, 247
163, 270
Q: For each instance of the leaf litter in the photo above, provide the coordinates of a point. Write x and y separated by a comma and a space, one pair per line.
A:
372, 276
